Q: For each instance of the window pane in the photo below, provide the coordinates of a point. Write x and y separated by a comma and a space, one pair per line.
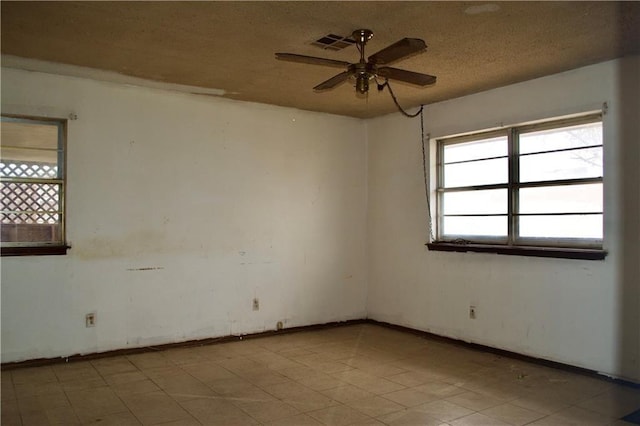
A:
582, 163
562, 138
10, 155
475, 202
566, 226
476, 173
29, 135
475, 226
475, 150
562, 199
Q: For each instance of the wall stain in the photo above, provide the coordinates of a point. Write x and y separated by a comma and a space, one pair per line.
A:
149, 268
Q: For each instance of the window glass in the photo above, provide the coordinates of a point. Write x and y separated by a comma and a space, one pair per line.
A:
562, 199
565, 226
489, 201
551, 173
476, 150
577, 136
32, 186
481, 172
487, 226
574, 164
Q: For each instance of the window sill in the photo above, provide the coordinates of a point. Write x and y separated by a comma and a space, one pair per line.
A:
35, 251
557, 252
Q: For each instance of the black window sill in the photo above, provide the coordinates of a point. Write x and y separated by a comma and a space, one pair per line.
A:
35, 251
557, 252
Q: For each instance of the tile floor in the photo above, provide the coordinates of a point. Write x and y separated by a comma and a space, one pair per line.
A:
352, 375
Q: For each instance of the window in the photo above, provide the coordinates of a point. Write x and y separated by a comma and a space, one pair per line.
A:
32, 179
527, 186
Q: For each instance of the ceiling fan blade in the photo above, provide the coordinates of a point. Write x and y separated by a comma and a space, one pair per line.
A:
406, 76
293, 57
333, 81
398, 50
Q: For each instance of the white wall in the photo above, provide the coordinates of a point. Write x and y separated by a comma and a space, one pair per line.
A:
227, 201
232, 201
583, 313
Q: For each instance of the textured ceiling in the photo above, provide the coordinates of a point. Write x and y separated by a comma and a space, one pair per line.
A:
230, 46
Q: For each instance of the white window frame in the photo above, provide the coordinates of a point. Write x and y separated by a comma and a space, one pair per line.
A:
513, 186
60, 246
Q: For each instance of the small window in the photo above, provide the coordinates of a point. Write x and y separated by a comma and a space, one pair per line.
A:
32, 173
538, 185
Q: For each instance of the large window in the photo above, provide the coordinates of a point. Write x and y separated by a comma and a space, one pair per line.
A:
536, 185
32, 174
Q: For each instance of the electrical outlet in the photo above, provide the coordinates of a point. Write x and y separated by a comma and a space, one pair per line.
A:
279, 325
256, 304
90, 320
472, 312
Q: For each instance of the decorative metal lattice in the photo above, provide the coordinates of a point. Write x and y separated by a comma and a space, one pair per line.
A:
29, 202
28, 170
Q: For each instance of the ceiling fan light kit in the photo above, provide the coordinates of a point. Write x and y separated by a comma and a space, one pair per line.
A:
374, 67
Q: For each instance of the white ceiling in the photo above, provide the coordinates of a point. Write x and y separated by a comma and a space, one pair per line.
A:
227, 48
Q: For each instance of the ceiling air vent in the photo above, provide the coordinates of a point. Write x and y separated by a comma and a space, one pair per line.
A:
333, 42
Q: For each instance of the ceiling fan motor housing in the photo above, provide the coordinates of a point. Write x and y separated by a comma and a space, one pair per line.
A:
363, 72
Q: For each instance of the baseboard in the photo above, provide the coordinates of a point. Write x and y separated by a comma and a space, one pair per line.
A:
186, 344
224, 339
507, 354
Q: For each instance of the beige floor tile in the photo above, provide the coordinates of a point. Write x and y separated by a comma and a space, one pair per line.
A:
208, 372
75, 371
23, 390
10, 413
444, 410
375, 406
410, 378
299, 420
410, 417
238, 388
410, 397
95, 404
33, 375
540, 404
83, 385
474, 401
264, 411
61, 416
338, 415
184, 356
108, 366
43, 402
477, 419
320, 381
369, 422
616, 402
346, 393
217, 412
181, 386
300, 397
513, 414
335, 373
440, 389
129, 376
369, 382
147, 360
574, 416
132, 388
125, 418
154, 407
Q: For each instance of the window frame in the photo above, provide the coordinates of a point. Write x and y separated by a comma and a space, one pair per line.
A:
28, 248
512, 241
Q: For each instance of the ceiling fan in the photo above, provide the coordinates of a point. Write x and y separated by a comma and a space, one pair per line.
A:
375, 66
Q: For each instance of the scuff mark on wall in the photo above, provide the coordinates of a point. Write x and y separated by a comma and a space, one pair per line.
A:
149, 268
